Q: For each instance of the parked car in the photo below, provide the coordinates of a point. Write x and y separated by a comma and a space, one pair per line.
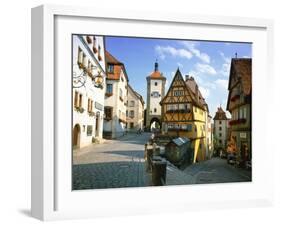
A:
231, 158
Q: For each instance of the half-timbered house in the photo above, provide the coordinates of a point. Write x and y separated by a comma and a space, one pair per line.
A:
239, 104
185, 114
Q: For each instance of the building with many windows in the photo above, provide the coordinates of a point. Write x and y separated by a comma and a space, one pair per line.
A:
220, 131
239, 104
88, 89
155, 93
185, 114
135, 110
115, 98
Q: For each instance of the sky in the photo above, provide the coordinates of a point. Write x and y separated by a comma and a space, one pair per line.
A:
208, 62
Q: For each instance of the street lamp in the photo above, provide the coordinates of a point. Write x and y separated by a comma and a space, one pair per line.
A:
79, 80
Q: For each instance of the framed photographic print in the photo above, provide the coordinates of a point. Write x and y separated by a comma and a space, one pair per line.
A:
135, 113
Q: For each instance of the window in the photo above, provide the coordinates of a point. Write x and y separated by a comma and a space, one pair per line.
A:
76, 97
245, 113
120, 93
195, 128
188, 127
132, 114
241, 113
89, 130
155, 110
84, 60
220, 141
80, 56
108, 113
89, 65
131, 125
80, 100
109, 88
132, 103
219, 122
220, 128
155, 84
110, 68
219, 134
178, 93
89, 105
126, 113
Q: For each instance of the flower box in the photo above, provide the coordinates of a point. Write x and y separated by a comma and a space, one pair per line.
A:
91, 113
108, 94
235, 97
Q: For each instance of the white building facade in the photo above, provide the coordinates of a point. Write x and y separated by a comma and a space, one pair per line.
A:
88, 89
155, 93
221, 130
115, 98
135, 110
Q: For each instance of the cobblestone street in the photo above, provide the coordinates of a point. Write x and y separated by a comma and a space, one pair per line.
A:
216, 170
120, 163
113, 164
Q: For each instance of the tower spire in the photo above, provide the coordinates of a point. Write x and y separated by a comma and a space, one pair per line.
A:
156, 66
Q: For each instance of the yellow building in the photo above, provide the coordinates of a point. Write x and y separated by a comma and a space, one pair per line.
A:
185, 114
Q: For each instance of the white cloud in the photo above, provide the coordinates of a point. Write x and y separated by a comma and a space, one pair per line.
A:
222, 83
205, 69
226, 59
191, 46
179, 64
226, 65
163, 51
204, 91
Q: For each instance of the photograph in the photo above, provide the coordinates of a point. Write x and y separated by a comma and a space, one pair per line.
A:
150, 111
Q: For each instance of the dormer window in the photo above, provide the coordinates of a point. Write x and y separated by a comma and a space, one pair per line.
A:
110, 68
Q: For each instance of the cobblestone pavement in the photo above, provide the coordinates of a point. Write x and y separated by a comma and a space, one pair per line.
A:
113, 164
216, 170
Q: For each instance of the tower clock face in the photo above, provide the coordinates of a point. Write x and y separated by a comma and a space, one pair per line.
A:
155, 94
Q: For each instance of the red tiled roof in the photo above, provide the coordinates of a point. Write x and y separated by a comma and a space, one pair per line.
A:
156, 74
220, 114
117, 67
243, 69
191, 83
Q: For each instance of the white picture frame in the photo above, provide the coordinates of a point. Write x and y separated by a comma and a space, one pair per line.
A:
52, 199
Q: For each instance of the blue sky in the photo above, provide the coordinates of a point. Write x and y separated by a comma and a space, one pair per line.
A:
208, 62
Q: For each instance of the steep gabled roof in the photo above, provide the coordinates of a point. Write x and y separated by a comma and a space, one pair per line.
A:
191, 83
220, 114
136, 94
242, 68
191, 88
118, 66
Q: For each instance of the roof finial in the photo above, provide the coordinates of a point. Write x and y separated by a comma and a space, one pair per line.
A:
236, 55
156, 65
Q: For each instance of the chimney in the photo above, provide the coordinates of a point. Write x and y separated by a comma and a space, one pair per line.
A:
186, 77
197, 92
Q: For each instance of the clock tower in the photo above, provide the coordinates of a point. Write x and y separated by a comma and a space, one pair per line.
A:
155, 92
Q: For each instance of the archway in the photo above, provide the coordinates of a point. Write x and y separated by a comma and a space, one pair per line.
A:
76, 136
155, 124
